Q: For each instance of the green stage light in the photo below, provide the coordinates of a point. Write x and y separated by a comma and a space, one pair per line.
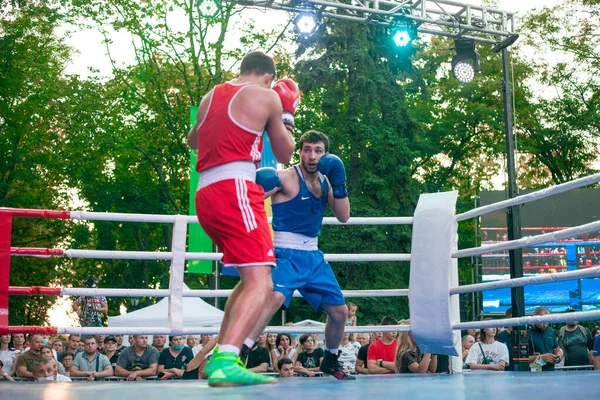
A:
402, 37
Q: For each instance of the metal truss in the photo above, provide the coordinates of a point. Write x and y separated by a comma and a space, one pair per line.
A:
436, 17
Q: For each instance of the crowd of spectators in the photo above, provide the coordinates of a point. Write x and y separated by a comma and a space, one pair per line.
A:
91, 358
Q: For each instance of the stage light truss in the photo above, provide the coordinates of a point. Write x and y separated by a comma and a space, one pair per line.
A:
436, 17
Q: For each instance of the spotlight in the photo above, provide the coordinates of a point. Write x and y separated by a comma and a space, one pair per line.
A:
306, 23
465, 63
404, 32
401, 38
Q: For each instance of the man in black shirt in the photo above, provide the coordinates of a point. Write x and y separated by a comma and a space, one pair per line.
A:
506, 337
258, 359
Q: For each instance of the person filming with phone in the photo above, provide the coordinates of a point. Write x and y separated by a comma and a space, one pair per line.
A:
90, 308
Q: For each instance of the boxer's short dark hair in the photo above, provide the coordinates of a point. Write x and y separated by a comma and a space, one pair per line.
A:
314, 137
257, 63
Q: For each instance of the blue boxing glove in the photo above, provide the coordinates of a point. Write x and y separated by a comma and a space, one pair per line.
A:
333, 168
268, 178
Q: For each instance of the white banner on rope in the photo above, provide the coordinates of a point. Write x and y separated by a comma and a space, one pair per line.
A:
434, 226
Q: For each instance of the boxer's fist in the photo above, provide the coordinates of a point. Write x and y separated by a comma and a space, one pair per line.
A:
268, 178
333, 168
289, 94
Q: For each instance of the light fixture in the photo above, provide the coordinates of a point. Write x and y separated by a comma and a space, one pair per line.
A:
466, 62
208, 8
403, 32
306, 23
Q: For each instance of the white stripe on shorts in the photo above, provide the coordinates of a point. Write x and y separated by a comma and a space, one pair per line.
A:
244, 204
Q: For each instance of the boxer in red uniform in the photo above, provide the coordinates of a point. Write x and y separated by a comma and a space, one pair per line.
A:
230, 205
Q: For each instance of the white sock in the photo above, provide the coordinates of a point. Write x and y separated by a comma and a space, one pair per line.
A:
228, 348
332, 351
249, 342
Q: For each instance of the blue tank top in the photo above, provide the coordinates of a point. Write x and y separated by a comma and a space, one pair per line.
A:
304, 213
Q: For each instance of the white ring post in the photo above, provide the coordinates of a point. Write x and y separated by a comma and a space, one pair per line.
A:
433, 240
178, 247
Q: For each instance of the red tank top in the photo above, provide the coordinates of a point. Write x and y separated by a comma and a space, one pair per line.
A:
221, 139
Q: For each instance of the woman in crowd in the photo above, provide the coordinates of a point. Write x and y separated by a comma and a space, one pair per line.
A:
58, 345
8, 356
283, 349
409, 357
488, 354
48, 352
349, 351
173, 360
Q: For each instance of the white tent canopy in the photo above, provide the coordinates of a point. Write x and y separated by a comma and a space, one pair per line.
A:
196, 313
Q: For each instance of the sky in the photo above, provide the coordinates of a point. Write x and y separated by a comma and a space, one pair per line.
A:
90, 52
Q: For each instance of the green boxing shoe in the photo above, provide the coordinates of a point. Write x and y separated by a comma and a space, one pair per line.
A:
226, 369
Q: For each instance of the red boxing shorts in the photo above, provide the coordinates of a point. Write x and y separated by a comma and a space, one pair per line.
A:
232, 213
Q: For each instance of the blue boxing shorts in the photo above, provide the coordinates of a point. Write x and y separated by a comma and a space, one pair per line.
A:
305, 271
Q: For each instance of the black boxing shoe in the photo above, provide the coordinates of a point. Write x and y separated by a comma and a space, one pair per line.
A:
332, 366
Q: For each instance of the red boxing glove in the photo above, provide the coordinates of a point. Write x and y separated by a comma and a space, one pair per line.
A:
289, 94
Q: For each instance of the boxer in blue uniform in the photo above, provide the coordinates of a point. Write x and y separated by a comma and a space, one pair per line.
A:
300, 195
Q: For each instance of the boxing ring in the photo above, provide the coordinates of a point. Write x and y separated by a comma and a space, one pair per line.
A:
433, 303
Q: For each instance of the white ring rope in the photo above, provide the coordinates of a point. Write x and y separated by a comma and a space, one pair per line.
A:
190, 219
537, 195
533, 319
528, 280
167, 255
211, 293
529, 240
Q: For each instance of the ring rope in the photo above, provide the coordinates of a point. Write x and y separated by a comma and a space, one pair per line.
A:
528, 280
528, 240
527, 198
39, 290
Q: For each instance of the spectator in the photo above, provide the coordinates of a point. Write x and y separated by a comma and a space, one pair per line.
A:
18, 341
173, 360
110, 350
44, 370
3, 374
577, 344
90, 308
200, 359
283, 348
270, 345
352, 308
285, 366
506, 337
258, 359
595, 331
25, 360
90, 363
8, 356
193, 341
349, 353
204, 340
309, 360
119, 339
100, 343
409, 357
363, 338
382, 353
67, 362
596, 353
72, 346
467, 342
48, 351
159, 342
543, 346
472, 332
138, 360
488, 354
361, 358
58, 345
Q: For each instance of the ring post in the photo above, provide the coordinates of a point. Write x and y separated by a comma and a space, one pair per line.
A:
5, 237
176, 276
431, 274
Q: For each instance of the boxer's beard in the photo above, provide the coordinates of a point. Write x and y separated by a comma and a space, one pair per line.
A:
305, 167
